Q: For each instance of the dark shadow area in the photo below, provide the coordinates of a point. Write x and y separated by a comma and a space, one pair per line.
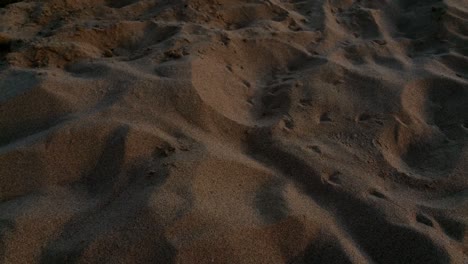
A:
325, 252
270, 202
109, 165
374, 234
4, 3
6, 226
119, 228
453, 228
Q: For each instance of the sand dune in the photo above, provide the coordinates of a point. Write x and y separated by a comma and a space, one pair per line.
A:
234, 131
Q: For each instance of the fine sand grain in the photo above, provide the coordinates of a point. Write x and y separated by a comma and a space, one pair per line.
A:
234, 131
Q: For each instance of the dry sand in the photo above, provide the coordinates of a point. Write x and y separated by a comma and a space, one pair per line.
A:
234, 131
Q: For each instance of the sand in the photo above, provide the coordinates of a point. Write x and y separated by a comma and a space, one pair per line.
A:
234, 131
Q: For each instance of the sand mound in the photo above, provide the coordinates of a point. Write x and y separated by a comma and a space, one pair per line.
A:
233, 131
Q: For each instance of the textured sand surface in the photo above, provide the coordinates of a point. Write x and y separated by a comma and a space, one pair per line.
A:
234, 131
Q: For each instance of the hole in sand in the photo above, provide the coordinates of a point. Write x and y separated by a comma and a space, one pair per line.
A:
379, 122
5, 46
119, 3
335, 178
315, 149
465, 125
325, 117
424, 220
378, 194
306, 102
364, 117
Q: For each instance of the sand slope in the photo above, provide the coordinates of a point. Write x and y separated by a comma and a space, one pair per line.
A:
234, 131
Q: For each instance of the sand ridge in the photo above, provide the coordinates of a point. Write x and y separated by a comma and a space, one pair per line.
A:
233, 131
